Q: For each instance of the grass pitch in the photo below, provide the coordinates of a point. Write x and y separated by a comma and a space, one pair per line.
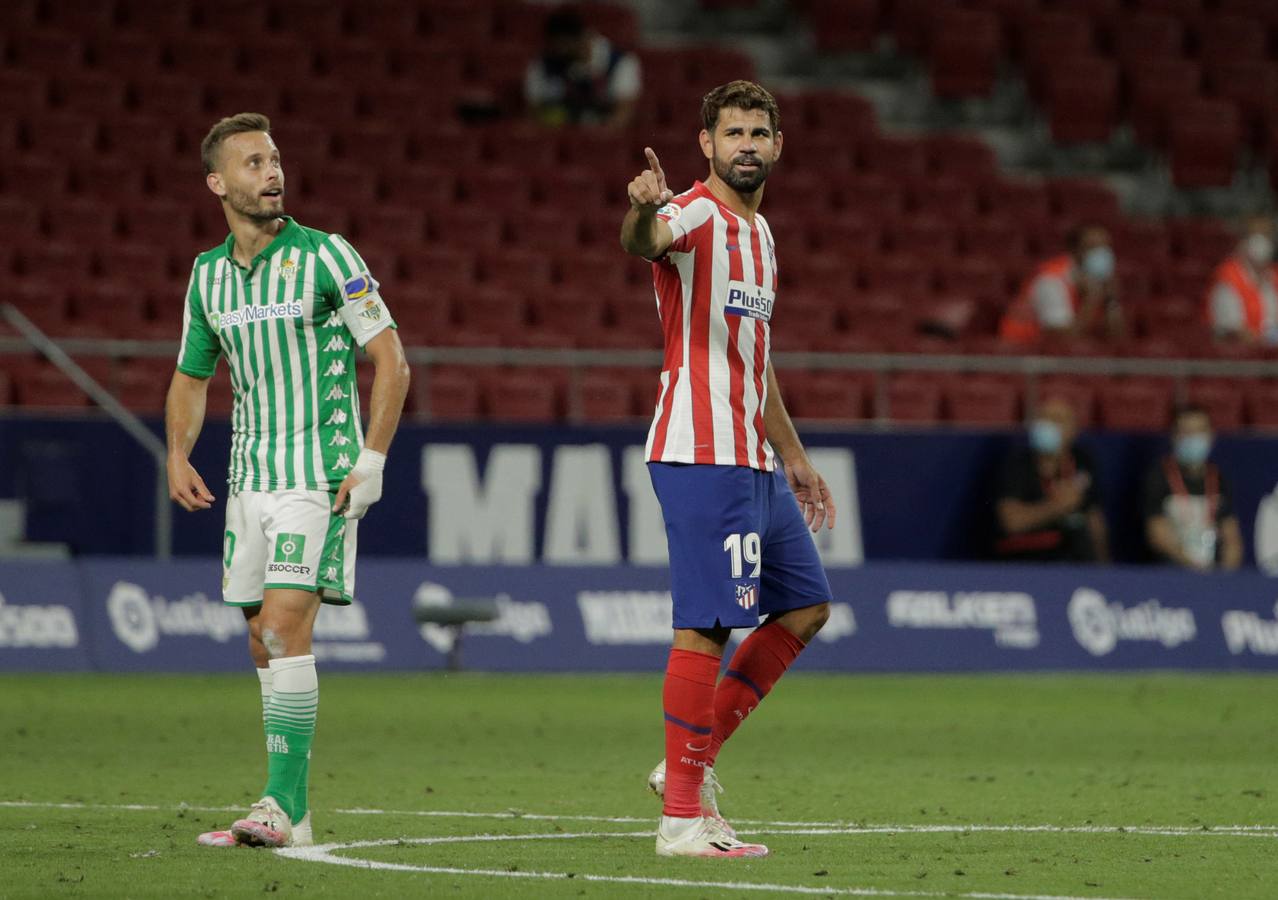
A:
487, 787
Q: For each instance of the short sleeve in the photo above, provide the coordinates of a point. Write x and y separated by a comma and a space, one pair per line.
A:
354, 294
683, 219
1051, 302
199, 350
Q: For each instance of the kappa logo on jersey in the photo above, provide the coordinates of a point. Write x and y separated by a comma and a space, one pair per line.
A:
249, 314
749, 300
747, 595
359, 287
289, 547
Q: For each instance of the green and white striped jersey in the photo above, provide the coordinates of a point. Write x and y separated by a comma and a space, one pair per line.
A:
287, 325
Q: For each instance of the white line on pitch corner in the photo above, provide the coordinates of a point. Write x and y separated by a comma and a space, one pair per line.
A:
324, 853
758, 825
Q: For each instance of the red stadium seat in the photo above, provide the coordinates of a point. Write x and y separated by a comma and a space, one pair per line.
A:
959, 156
895, 157
1205, 141
24, 92
1083, 200
51, 51
1136, 404
1082, 98
606, 396
43, 385
825, 395
1159, 88
141, 384
1251, 85
1139, 36
89, 92
922, 234
1078, 391
950, 198
81, 221
914, 399
844, 25
63, 135
983, 401
907, 276
564, 310
449, 393
1016, 200
1230, 37
523, 395
993, 237
964, 52
1262, 404
1048, 38
1222, 398
977, 279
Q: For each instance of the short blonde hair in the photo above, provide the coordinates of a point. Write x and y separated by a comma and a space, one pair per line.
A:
239, 123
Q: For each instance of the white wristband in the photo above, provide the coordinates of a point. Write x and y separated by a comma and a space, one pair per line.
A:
369, 462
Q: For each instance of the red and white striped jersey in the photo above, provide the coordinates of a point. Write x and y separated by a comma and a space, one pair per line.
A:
715, 289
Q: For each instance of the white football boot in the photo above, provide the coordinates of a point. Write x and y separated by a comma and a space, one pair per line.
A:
710, 786
302, 836
266, 825
704, 837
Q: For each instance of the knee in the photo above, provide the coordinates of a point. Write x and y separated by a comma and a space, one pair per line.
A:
806, 622
819, 616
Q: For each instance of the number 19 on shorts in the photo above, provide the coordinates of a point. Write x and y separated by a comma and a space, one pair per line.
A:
743, 550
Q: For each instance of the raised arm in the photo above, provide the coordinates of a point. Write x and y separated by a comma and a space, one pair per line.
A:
642, 233
809, 487
183, 419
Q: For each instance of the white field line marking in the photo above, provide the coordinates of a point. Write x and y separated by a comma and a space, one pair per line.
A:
324, 853
814, 828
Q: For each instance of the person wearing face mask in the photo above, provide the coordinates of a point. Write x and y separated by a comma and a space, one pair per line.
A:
580, 78
1048, 505
1189, 516
1071, 294
1243, 300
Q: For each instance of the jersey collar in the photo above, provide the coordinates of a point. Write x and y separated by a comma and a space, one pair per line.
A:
281, 236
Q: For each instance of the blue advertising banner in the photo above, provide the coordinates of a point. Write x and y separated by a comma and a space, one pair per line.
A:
562, 496
122, 615
41, 618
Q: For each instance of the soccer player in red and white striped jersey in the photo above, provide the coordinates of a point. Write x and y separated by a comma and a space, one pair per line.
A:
737, 527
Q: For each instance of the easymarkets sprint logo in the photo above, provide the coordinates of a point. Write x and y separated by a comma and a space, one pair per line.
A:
250, 314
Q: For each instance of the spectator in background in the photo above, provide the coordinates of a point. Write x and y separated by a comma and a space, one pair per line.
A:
581, 78
1048, 506
1243, 300
1071, 294
1189, 517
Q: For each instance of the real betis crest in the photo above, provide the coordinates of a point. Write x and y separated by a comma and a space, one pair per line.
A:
288, 270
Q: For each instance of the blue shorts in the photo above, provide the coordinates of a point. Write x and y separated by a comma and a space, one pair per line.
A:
739, 548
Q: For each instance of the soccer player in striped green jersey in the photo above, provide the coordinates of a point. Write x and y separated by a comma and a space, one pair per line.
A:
286, 307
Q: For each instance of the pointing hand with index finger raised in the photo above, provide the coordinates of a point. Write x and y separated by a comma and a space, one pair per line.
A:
649, 190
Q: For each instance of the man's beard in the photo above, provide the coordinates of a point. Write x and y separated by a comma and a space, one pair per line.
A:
742, 182
253, 207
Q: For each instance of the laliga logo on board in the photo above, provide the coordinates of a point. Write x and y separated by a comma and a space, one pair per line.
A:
140, 620
1099, 625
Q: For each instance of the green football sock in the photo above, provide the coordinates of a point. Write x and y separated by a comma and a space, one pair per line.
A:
290, 728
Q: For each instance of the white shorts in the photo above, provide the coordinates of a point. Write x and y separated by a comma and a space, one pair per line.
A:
286, 539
